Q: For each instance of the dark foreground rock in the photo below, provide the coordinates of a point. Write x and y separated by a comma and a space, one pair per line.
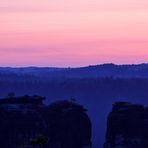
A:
127, 126
25, 122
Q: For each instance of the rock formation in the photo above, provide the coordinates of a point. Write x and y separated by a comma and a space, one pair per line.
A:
27, 122
127, 126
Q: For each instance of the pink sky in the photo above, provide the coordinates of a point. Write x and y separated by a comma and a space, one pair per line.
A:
73, 32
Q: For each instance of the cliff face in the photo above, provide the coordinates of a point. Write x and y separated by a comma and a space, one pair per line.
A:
127, 126
64, 124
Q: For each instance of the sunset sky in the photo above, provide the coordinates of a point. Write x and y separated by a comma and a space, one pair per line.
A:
73, 32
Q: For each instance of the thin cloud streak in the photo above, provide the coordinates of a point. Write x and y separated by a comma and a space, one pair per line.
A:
72, 5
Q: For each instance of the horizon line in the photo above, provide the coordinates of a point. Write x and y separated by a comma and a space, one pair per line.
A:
107, 63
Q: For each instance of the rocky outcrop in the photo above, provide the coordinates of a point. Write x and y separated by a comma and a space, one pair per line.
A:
127, 126
27, 122
70, 125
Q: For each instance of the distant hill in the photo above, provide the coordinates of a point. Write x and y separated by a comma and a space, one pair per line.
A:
95, 87
94, 71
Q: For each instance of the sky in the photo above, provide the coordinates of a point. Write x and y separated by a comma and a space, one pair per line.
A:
73, 32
